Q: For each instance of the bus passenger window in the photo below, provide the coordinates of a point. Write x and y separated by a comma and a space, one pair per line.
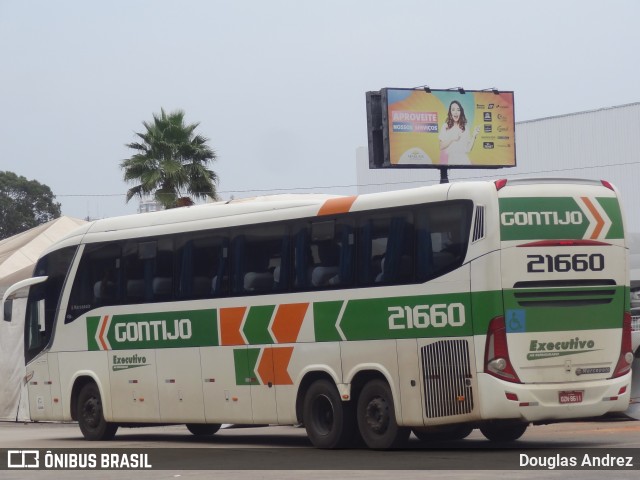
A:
162, 270
332, 248
328, 267
442, 237
97, 280
257, 260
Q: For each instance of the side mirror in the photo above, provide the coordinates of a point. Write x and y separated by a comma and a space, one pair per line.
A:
9, 294
8, 309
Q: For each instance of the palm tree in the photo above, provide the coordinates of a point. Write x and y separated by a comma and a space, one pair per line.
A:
170, 162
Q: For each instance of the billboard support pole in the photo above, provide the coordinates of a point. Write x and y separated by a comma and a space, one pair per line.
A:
444, 178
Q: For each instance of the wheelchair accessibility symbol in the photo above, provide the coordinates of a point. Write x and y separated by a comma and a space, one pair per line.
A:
516, 321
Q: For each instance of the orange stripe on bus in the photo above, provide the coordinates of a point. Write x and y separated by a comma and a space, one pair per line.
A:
281, 359
264, 370
105, 320
274, 365
334, 206
230, 323
288, 320
599, 219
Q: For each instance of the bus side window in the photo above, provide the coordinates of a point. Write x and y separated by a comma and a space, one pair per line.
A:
444, 229
201, 266
424, 248
44, 299
302, 258
97, 280
257, 255
134, 274
397, 264
333, 250
162, 270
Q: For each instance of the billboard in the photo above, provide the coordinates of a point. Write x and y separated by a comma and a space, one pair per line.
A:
423, 128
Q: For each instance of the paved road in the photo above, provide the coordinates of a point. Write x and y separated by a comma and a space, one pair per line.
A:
273, 451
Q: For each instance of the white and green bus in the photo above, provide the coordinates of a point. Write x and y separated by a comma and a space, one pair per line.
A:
437, 310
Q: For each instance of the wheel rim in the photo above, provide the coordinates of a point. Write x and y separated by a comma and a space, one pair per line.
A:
91, 412
322, 414
377, 415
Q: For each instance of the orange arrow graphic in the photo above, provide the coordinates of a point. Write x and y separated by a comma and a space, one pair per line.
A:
274, 364
599, 219
230, 323
287, 322
281, 359
103, 327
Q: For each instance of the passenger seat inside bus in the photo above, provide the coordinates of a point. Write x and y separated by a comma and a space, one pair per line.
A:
328, 269
258, 278
403, 271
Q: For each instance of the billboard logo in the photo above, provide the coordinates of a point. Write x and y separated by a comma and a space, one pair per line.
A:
488, 128
488, 145
487, 116
415, 156
23, 459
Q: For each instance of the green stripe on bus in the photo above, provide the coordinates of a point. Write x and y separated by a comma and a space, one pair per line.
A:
558, 220
325, 316
485, 307
256, 328
245, 360
189, 328
92, 328
590, 310
446, 315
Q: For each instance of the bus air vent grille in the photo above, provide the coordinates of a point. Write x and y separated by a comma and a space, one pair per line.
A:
478, 225
447, 378
565, 297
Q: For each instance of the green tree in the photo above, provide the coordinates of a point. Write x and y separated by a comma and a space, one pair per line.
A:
24, 204
170, 162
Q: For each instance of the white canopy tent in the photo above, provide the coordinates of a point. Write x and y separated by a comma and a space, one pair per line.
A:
18, 255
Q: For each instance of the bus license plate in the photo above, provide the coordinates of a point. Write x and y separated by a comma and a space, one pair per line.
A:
573, 396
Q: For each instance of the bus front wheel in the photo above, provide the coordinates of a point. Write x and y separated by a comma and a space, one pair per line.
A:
328, 420
377, 418
500, 431
91, 417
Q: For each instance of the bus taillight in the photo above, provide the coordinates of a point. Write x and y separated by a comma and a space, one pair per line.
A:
607, 185
496, 352
500, 183
626, 351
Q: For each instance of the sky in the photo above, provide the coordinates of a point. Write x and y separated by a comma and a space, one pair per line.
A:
278, 86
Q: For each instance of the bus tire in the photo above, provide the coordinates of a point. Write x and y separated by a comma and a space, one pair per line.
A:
443, 434
91, 417
330, 422
203, 429
377, 418
500, 431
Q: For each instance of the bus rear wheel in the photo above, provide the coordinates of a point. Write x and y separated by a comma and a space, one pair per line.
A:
500, 431
203, 429
377, 418
328, 420
91, 417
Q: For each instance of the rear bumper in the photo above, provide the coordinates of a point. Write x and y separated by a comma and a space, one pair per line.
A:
540, 402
